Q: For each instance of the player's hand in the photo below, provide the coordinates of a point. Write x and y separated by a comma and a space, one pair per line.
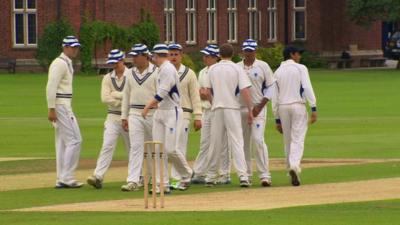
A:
52, 115
256, 110
197, 125
313, 117
250, 117
203, 94
145, 111
125, 125
279, 128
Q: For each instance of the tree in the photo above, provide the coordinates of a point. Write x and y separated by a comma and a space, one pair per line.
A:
365, 12
49, 45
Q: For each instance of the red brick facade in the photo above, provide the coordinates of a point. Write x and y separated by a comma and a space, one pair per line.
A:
328, 30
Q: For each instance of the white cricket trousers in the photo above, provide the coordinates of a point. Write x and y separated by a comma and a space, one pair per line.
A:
253, 136
201, 164
140, 130
226, 122
294, 121
68, 144
112, 131
166, 128
182, 142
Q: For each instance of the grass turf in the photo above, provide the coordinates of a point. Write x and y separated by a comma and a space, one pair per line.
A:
365, 213
111, 191
358, 117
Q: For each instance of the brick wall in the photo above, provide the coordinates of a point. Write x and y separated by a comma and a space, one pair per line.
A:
328, 28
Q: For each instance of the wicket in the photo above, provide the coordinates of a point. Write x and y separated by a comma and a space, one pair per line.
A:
150, 151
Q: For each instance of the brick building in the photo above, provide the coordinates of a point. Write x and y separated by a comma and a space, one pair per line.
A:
320, 25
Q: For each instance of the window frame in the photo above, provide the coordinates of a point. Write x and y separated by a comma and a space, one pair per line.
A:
25, 12
212, 12
169, 17
232, 14
295, 10
272, 12
252, 11
191, 12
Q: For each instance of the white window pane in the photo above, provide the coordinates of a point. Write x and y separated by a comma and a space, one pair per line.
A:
19, 28
31, 28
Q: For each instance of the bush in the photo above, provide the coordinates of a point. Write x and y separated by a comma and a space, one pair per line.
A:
273, 56
49, 44
312, 60
188, 61
94, 33
197, 59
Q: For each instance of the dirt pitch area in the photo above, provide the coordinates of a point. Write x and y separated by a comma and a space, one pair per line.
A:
252, 199
118, 172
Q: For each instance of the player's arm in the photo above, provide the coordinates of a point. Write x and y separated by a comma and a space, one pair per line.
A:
309, 94
267, 93
125, 105
196, 102
244, 86
56, 73
106, 90
166, 84
275, 108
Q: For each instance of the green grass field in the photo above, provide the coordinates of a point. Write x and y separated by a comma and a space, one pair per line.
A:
358, 118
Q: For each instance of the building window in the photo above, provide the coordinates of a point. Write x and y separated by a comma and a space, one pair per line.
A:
212, 21
24, 23
169, 11
191, 21
299, 19
272, 23
232, 21
253, 20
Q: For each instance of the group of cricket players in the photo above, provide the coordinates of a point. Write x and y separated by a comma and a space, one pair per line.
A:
160, 99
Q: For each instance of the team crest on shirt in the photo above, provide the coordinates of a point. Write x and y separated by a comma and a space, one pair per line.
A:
171, 130
255, 74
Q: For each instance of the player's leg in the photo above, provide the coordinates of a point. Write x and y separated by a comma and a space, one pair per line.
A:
261, 153
72, 139
136, 134
60, 150
110, 138
246, 128
182, 142
225, 162
200, 165
214, 155
235, 140
159, 135
298, 134
173, 124
286, 118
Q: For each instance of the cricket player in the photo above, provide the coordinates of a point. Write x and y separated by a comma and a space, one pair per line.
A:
59, 98
189, 100
140, 89
112, 87
263, 83
210, 57
225, 82
168, 116
293, 90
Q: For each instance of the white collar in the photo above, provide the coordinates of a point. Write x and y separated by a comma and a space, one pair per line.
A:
289, 61
181, 68
64, 56
114, 75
